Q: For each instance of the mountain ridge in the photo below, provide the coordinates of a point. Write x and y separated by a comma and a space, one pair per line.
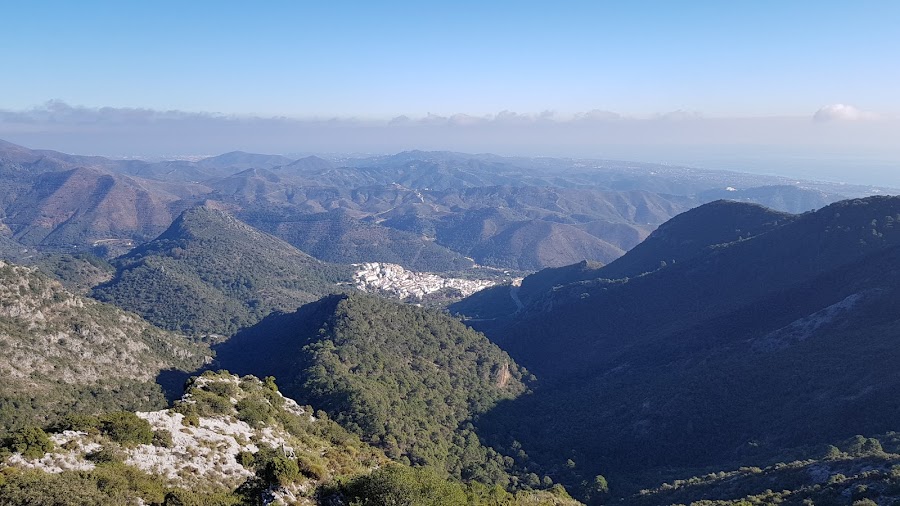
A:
406, 379
744, 341
66, 352
206, 262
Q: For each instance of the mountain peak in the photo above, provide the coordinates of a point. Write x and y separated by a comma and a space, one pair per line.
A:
311, 163
241, 160
692, 231
205, 221
209, 263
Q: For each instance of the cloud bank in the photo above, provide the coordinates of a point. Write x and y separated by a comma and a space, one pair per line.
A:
837, 136
842, 112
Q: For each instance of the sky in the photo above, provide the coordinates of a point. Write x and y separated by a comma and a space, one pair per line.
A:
766, 84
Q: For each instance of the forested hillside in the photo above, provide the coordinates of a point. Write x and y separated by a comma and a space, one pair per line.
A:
735, 351
227, 441
409, 380
859, 470
212, 274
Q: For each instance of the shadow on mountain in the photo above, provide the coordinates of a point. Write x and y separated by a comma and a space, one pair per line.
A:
269, 347
736, 352
264, 349
172, 382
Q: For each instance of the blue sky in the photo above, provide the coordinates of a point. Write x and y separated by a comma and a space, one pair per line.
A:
382, 59
805, 88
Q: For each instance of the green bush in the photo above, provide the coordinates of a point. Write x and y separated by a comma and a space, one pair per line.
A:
162, 438
274, 398
106, 455
224, 389
110, 484
181, 497
254, 411
191, 420
126, 428
189, 410
271, 466
398, 484
312, 467
208, 403
82, 423
246, 459
32, 442
281, 470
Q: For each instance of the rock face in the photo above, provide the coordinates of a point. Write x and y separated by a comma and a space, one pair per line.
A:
213, 435
60, 349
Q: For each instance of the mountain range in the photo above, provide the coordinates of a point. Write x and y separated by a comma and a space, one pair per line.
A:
732, 333
425, 210
670, 335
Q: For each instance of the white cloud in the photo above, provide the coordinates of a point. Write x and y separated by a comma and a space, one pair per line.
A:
598, 115
596, 133
464, 120
842, 112
680, 115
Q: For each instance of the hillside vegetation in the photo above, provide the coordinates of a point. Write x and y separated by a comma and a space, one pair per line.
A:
409, 380
63, 352
212, 274
777, 339
860, 471
228, 441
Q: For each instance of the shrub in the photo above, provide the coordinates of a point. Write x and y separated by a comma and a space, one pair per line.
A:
312, 467
272, 466
32, 442
191, 420
162, 438
274, 398
224, 389
281, 470
181, 497
126, 428
208, 403
189, 410
254, 411
82, 423
246, 459
106, 455
107, 485
120, 476
398, 484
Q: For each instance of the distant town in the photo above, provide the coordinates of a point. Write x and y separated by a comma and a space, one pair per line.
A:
394, 279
